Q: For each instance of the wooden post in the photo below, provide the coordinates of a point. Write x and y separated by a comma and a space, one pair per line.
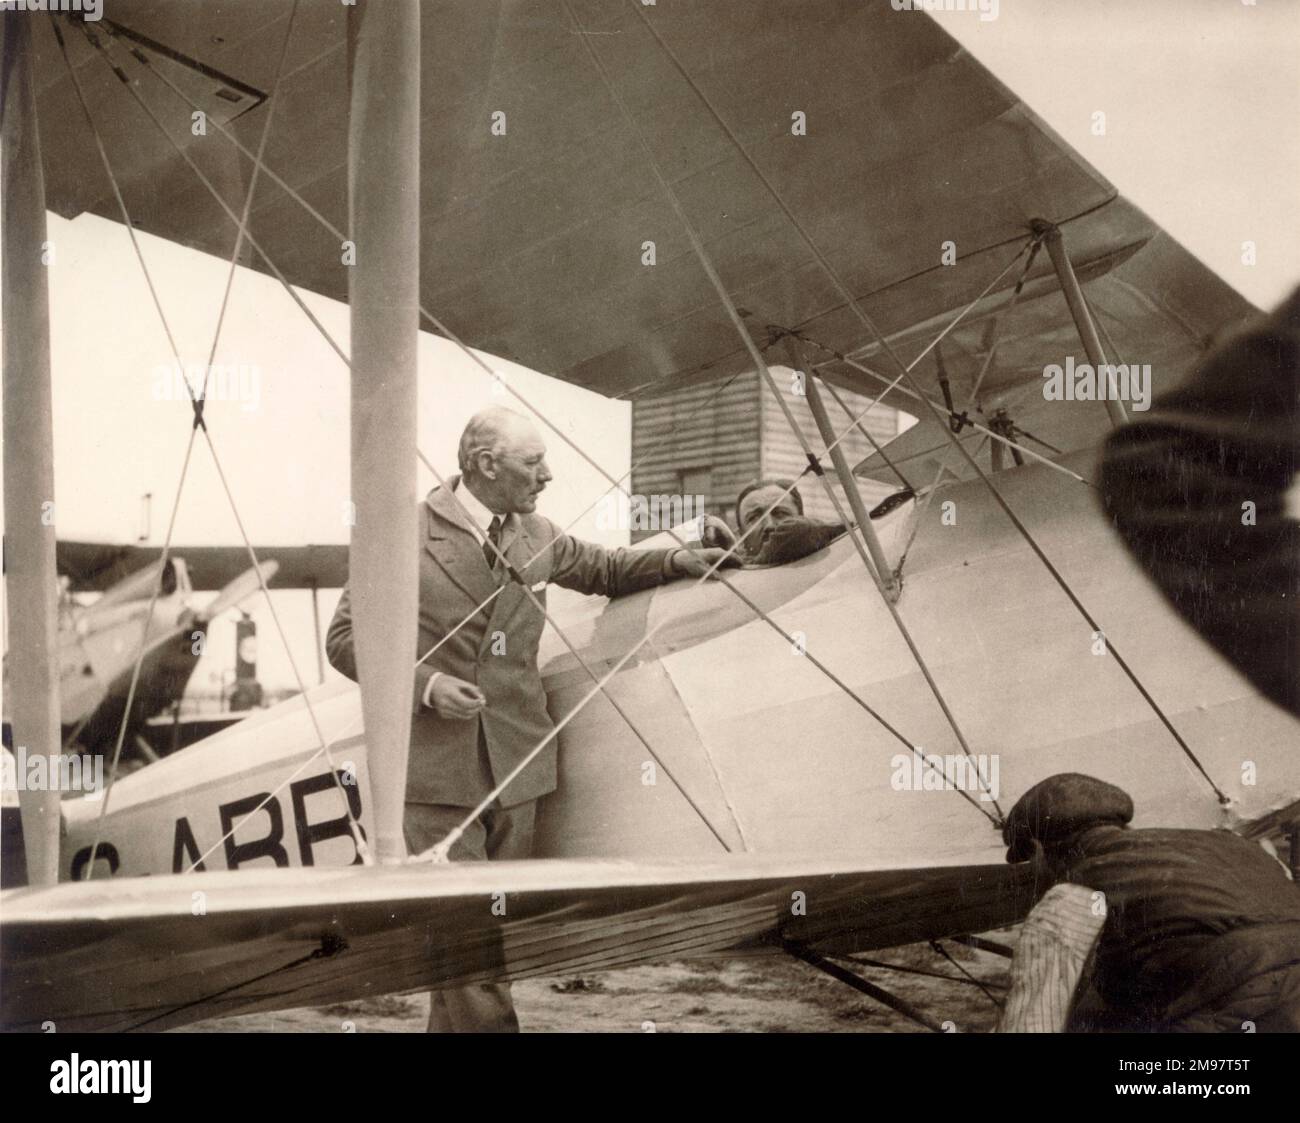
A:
29, 451
383, 291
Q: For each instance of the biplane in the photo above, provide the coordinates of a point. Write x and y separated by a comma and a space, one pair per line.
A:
766, 762
99, 642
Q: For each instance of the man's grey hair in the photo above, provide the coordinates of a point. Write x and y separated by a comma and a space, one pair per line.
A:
484, 433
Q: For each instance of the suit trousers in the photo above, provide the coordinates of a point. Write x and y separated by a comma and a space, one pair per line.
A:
501, 833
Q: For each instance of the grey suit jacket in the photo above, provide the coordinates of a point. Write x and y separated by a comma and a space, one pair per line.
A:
496, 648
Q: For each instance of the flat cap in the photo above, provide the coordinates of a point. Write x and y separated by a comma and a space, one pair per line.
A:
1055, 808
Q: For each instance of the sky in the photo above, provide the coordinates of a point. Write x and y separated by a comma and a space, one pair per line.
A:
1201, 101
122, 420
1202, 113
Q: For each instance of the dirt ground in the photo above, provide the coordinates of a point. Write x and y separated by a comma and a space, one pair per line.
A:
756, 995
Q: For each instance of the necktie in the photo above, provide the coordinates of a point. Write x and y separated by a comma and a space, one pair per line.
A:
493, 541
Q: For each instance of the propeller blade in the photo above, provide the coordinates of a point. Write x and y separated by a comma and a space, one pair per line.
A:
242, 587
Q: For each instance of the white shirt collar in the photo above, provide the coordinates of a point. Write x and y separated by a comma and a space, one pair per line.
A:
478, 514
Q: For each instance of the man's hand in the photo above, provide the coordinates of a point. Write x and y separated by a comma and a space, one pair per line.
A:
715, 532
696, 563
455, 698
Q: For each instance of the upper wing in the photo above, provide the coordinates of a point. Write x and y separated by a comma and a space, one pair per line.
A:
137, 954
1157, 308
534, 236
100, 565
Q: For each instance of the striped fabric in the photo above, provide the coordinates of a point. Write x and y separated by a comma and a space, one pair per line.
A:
1055, 942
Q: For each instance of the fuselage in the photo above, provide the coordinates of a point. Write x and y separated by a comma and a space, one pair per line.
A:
777, 757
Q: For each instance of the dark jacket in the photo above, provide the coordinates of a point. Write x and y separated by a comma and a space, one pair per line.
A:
1191, 916
497, 648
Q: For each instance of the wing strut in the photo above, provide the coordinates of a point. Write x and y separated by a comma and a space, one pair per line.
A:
384, 295
1082, 315
905, 374
858, 983
879, 577
890, 585
29, 448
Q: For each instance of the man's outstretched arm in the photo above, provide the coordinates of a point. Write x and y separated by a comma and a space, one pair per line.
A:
1055, 942
594, 570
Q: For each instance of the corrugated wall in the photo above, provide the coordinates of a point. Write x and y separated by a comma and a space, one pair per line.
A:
712, 442
698, 437
784, 456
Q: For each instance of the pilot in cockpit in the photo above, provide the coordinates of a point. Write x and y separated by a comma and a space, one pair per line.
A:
772, 536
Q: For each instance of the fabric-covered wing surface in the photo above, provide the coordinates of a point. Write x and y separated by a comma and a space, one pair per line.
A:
534, 234
275, 939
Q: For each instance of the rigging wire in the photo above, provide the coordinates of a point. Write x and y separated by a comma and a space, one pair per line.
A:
757, 357
841, 357
450, 335
355, 828
879, 448
199, 423
968, 980
140, 56
180, 485
923, 507
438, 325
936, 946
477, 359
438, 852
1001, 314
880, 578
512, 574
330, 946
344, 738
885, 345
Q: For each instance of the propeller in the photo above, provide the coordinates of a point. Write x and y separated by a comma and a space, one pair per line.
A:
242, 587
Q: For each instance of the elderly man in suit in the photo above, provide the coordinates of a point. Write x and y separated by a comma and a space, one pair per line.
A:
478, 703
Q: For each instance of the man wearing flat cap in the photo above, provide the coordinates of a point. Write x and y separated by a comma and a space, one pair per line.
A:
1173, 930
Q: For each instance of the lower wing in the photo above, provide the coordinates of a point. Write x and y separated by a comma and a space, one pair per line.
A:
153, 953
